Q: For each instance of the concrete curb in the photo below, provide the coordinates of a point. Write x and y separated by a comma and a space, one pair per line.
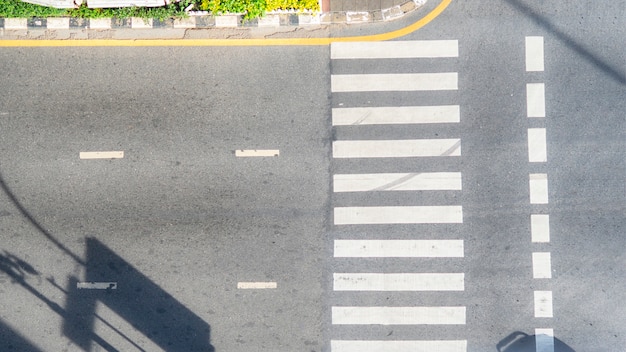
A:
202, 20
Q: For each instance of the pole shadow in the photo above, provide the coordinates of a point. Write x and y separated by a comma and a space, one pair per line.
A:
521, 342
135, 298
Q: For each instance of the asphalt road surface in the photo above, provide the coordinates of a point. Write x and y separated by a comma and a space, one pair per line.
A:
303, 199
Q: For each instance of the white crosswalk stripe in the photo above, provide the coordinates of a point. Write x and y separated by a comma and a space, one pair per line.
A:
427, 181
358, 254
396, 115
398, 248
432, 214
394, 82
398, 315
398, 346
398, 282
397, 148
394, 50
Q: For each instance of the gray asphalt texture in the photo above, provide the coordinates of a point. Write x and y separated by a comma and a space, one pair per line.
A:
179, 208
180, 220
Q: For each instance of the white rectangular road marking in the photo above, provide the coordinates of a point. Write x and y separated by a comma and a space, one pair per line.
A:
544, 340
538, 188
427, 181
398, 249
398, 282
394, 82
397, 315
537, 149
398, 346
101, 155
398, 215
397, 148
534, 54
540, 228
535, 100
390, 115
96, 285
256, 152
542, 266
256, 285
394, 49
543, 304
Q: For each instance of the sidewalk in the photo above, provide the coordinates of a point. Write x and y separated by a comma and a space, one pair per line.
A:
333, 12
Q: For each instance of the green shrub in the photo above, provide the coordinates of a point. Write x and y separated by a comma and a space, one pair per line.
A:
299, 5
19, 9
251, 9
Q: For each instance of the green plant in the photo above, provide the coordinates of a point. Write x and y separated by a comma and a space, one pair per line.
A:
19, 9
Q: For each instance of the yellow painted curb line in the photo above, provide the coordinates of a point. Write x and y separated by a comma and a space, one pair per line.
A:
230, 42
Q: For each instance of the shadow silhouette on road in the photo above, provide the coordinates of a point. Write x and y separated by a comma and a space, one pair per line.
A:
583, 51
12, 341
522, 342
136, 299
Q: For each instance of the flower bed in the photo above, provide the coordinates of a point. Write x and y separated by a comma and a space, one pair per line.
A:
250, 8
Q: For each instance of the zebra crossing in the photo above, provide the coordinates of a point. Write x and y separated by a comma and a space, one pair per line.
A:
370, 256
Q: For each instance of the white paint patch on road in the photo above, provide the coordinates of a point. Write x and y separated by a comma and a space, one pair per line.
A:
427, 181
544, 340
395, 115
398, 215
543, 304
398, 346
542, 265
398, 249
535, 100
397, 315
101, 155
398, 282
537, 149
397, 148
96, 285
256, 285
394, 49
395, 82
540, 228
538, 184
534, 54
256, 152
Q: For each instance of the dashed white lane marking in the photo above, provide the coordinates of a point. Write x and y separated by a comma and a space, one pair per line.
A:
101, 155
399, 282
390, 115
397, 315
398, 346
394, 82
540, 228
537, 149
544, 340
256, 152
538, 188
256, 285
398, 249
96, 285
542, 265
398, 215
543, 304
394, 49
397, 148
534, 54
427, 181
535, 100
